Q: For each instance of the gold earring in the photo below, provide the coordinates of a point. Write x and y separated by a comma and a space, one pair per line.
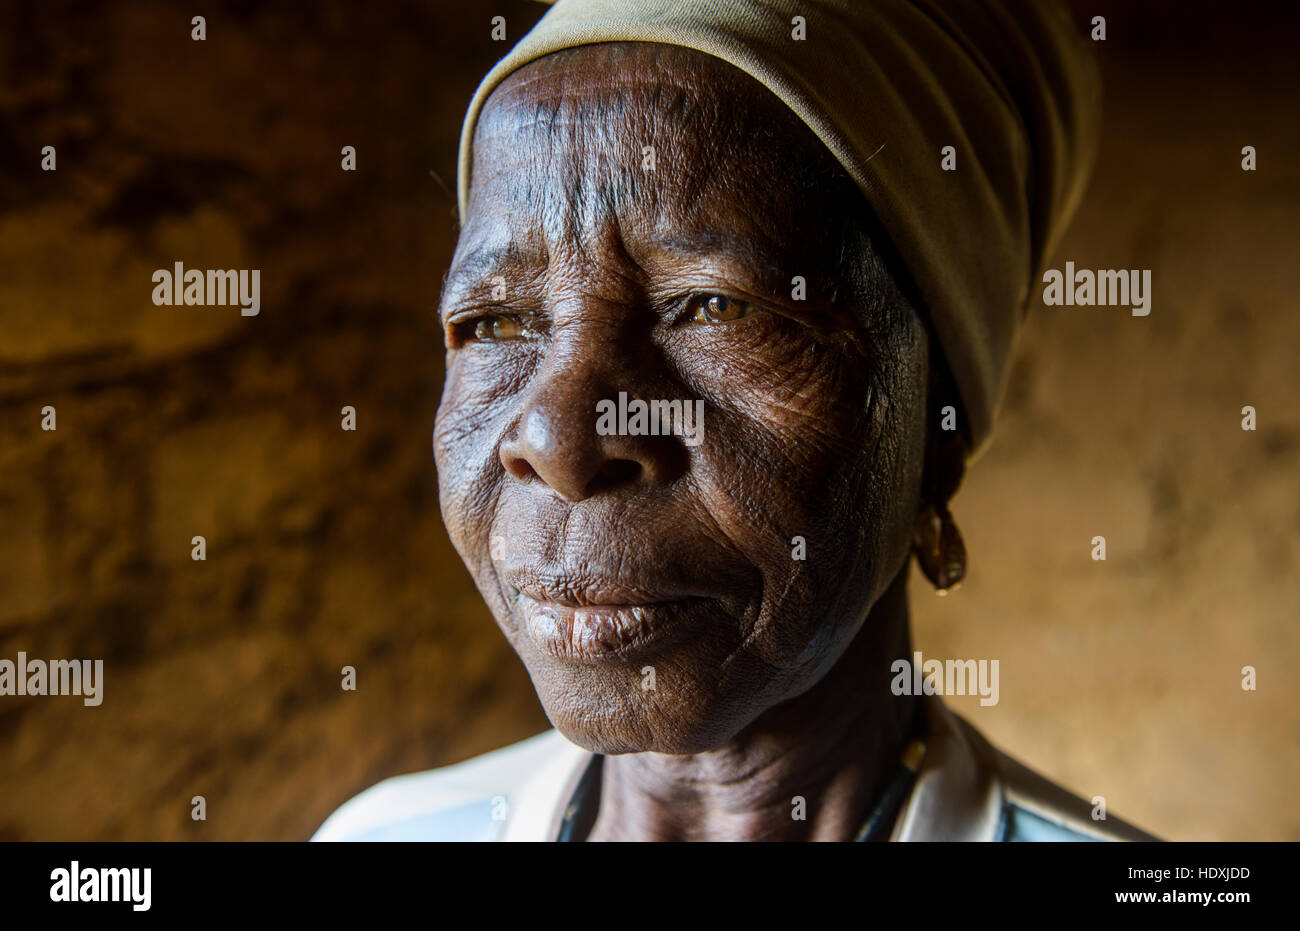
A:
939, 549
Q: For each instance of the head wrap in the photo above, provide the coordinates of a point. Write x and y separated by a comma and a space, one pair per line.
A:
887, 85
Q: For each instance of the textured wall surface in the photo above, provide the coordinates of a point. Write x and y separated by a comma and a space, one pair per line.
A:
1119, 678
1123, 678
325, 547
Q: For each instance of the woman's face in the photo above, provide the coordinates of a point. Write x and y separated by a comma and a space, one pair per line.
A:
637, 220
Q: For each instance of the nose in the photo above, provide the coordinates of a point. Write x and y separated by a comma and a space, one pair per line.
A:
556, 441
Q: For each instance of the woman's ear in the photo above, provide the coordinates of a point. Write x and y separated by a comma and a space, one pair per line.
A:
937, 542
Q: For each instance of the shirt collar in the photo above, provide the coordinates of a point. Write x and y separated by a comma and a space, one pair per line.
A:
957, 795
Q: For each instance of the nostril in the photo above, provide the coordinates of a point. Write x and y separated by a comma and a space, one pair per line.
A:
520, 468
612, 473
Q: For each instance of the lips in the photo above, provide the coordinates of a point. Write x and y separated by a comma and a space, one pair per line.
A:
577, 591
594, 620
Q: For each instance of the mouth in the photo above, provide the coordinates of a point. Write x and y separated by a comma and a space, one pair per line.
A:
598, 621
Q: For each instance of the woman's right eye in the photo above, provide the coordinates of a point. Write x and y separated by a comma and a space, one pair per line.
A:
492, 328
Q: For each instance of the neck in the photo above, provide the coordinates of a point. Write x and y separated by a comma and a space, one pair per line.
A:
835, 746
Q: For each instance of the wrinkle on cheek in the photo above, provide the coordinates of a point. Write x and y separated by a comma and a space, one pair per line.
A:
468, 420
470, 478
857, 431
813, 409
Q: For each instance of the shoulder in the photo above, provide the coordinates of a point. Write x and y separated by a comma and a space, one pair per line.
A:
1033, 808
969, 790
464, 802
1037, 809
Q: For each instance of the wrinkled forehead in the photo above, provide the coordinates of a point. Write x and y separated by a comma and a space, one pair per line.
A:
659, 135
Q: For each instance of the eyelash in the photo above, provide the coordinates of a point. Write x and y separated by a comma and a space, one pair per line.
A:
696, 310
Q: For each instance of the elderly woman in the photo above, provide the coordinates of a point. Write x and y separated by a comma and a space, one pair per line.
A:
816, 224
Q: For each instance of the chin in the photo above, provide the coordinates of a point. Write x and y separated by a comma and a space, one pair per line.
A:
606, 711
617, 741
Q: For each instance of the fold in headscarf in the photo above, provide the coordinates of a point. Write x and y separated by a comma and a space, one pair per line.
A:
886, 85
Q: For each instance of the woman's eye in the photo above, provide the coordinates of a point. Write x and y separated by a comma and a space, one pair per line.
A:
714, 308
495, 327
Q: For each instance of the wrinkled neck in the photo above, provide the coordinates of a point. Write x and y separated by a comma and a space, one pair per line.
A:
808, 769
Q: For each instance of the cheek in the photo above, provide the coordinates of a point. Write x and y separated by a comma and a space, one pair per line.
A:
465, 440
789, 433
813, 472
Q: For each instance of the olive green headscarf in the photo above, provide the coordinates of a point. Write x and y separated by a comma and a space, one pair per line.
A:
887, 85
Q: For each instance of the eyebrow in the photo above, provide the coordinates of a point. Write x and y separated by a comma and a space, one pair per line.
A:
733, 257
488, 259
755, 256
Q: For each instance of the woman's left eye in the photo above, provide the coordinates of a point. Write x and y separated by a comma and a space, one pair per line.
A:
715, 308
